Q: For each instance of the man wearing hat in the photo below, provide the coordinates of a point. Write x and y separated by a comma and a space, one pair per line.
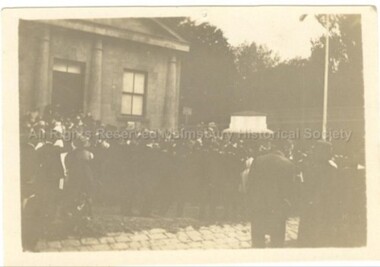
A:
270, 192
50, 172
78, 189
320, 205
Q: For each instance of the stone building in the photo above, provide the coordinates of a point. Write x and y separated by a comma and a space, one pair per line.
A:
119, 70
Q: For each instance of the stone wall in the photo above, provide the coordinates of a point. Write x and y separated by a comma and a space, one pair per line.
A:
109, 57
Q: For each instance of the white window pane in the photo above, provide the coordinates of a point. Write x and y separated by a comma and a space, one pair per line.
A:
60, 66
74, 68
137, 108
126, 104
139, 83
128, 82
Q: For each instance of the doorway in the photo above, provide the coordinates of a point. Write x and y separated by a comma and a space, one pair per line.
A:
68, 93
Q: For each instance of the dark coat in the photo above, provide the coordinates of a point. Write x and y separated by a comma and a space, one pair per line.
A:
28, 169
270, 184
320, 206
79, 172
50, 169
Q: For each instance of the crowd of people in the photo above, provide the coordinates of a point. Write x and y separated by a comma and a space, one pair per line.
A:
69, 164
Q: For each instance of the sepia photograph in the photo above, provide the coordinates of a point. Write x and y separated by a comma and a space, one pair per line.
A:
192, 131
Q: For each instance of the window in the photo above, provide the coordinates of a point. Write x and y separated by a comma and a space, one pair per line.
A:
132, 99
67, 66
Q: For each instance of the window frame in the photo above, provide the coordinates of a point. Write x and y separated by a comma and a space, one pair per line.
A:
68, 63
134, 116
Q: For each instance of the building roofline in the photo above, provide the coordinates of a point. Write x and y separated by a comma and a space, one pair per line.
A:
169, 30
107, 30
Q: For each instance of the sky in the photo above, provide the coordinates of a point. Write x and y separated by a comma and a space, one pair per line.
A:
279, 30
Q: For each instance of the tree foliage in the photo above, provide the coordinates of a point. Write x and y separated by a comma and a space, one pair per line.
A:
218, 79
208, 72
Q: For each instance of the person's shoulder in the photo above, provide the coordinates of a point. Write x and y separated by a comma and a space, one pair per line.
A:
273, 156
263, 157
287, 160
79, 154
87, 155
284, 161
27, 147
45, 149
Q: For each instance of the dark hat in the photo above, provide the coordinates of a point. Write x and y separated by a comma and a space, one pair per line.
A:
278, 143
322, 149
81, 141
323, 145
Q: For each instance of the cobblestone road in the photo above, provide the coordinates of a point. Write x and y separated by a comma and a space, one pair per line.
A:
227, 236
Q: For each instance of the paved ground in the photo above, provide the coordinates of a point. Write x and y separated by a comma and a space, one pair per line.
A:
214, 236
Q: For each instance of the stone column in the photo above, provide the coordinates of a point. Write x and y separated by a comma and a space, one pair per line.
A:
95, 88
170, 121
42, 71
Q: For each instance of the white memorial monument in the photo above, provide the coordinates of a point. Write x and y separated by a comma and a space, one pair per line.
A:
248, 122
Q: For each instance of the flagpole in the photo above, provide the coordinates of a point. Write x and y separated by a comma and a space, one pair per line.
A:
326, 78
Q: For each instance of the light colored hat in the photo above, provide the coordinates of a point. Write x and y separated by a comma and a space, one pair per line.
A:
212, 124
58, 128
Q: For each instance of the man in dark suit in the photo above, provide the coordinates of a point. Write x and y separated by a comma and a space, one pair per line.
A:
31, 217
80, 177
270, 187
319, 218
49, 174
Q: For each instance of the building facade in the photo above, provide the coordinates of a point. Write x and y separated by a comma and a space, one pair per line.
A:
119, 70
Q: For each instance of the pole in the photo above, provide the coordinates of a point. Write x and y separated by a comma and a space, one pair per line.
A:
326, 78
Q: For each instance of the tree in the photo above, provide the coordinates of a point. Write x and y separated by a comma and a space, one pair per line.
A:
291, 92
251, 61
218, 79
208, 71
